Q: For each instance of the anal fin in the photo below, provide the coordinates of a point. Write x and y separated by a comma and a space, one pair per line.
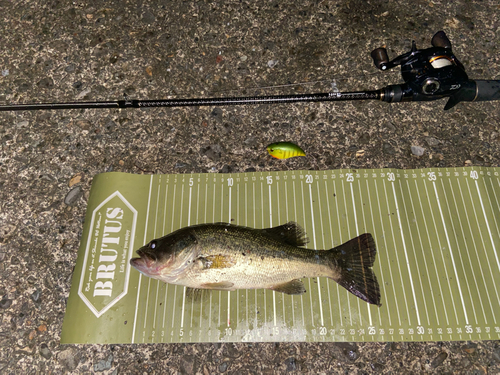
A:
290, 287
222, 285
197, 295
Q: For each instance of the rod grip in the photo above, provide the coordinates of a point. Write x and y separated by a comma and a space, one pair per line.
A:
475, 91
487, 90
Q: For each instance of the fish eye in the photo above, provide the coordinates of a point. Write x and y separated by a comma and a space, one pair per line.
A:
152, 245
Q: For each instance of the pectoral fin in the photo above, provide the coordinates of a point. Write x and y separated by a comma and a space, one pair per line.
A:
216, 261
291, 287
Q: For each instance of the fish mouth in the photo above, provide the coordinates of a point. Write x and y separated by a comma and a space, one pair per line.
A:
144, 264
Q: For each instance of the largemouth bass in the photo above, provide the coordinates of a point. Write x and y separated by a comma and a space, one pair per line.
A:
228, 257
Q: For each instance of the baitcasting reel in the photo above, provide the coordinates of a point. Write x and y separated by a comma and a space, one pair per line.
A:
433, 73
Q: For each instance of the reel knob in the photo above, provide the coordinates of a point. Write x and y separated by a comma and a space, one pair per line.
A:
440, 40
380, 58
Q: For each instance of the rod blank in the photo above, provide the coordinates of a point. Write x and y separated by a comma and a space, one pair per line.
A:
276, 99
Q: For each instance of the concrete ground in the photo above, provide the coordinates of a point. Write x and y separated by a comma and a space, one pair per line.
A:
102, 50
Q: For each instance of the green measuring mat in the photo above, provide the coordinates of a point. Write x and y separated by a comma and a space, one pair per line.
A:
436, 232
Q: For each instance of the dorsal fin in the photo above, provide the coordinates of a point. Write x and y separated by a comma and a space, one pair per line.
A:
290, 233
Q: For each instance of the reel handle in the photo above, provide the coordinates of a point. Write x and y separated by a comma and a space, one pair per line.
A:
380, 58
441, 40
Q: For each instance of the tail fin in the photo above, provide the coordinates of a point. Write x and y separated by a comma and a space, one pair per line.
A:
352, 262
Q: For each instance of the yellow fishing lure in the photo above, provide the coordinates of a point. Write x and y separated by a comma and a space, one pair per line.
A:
284, 150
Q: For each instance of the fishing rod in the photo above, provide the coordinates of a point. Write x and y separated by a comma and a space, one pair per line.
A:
428, 74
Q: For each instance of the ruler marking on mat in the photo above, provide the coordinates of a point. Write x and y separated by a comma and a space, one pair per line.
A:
316, 248
424, 258
483, 246
450, 249
183, 288
270, 226
305, 227
406, 258
229, 221
205, 206
368, 307
254, 226
412, 242
278, 203
496, 201
340, 239
175, 286
322, 247
491, 205
219, 292
140, 275
385, 295
295, 216
262, 210
375, 235
469, 227
431, 250
396, 253
487, 224
469, 258
166, 285
328, 284
351, 186
379, 263
246, 224
238, 222
287, 219
349, 232
192, 299
483, 243
154, 236
149, 279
